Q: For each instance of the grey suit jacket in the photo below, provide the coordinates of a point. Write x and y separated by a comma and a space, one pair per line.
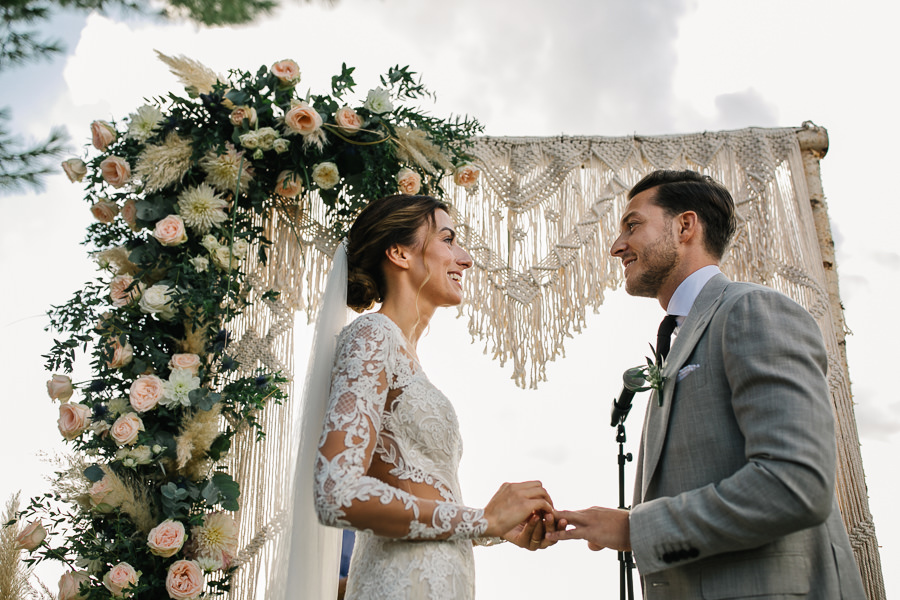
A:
734, 496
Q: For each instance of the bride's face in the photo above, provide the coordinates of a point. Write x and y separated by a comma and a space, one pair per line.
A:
442, 263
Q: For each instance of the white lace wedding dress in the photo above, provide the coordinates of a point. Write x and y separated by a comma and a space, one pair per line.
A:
383, 408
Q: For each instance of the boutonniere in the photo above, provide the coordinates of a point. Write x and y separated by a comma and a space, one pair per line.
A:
653, 373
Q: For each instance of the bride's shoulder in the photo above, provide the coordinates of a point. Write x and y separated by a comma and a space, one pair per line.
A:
370, 326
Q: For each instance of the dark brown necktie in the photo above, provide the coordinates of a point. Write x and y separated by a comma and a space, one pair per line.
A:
664, 336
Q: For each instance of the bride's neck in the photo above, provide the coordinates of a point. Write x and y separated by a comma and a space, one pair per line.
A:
411, 320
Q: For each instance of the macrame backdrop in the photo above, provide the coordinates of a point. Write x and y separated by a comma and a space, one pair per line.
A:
538, 227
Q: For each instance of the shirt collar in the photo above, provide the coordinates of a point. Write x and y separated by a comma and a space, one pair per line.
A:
687, 292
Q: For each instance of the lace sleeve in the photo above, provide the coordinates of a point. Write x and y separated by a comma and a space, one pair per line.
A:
344, 495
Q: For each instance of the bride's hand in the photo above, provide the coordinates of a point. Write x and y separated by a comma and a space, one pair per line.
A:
530, 534
513, 504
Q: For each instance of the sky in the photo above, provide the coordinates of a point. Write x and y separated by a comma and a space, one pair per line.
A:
522, 67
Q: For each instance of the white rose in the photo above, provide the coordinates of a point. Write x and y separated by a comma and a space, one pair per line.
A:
326, 175
379, 101
281, 145
156, 300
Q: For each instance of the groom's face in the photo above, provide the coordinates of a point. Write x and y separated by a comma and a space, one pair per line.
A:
647, 247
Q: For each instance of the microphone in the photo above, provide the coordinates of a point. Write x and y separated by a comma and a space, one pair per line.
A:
633, 381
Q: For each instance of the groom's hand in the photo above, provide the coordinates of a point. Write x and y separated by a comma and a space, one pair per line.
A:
530, 534
601, 527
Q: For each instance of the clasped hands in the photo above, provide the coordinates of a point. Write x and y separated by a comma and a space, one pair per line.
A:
523, 513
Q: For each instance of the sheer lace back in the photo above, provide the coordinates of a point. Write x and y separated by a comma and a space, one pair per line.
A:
383, 409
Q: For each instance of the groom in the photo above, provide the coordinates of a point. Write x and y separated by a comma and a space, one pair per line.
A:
734, 492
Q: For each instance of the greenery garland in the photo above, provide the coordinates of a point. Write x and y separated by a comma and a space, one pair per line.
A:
143, 507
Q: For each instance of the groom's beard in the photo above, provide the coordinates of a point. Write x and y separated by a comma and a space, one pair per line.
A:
656, 263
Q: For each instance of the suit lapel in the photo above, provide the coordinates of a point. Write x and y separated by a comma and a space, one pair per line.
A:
656, 421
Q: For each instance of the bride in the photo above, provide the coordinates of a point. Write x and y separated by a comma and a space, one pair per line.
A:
386, 463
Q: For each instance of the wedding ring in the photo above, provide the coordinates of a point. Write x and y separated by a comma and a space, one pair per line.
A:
535, 541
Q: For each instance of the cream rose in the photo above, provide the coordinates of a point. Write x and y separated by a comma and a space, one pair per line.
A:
188, 362
288, 184
119, 578
102, 495
119, 292
70, 585
409, 181
121, 355
287, 72
303, 119
104, 211
129, 213
170, 231
145, 393
200, 263
102, 134
73, 419
75, 169
378, 101
326, 175
281, 145
224, 258
466, 176
59, 387
115, 171
347, 120
166, 538
126, 429
243, 112
157, 300
31, 536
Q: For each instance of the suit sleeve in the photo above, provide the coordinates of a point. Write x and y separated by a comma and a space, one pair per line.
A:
774, 362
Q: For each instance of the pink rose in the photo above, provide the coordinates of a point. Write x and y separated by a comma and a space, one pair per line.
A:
115, 171
105, 211
73, 419
129, 213
170, 231
409, 181
185, 580
288, 184
102, 134
75, 169
166, 538
126, 429
347, 120
189, 362
122, 355
145, 393
287, 72
119, 292
31, 537
59, 387
303, 119
243, 112
102, 495
119, 578
70, 585
466, 176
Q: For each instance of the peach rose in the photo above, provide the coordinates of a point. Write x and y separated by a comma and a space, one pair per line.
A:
166, 538
188, 362
70, 585
145, 393
347, 120
73, 419
126, 429
102, 496
104, 211
409, 181
59, 387
119, 578
31, 536
466, 176
129, 213
102, 134
243, 112
288, 185
170, 231
287, 72
115, 171
119, 292
121, 356
303, 119
75, 169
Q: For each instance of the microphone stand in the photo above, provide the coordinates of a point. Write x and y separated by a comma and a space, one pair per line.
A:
626, 562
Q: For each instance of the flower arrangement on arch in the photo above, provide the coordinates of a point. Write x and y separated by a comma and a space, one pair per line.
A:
144, 506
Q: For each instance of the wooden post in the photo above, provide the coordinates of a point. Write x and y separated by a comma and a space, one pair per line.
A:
851, 482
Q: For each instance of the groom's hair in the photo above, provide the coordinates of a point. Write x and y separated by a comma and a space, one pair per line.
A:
681, 191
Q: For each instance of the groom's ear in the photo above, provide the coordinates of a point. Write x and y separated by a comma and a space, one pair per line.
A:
398, 255
688, 226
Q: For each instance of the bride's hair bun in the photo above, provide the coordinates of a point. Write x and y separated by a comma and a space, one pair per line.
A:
380, 225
